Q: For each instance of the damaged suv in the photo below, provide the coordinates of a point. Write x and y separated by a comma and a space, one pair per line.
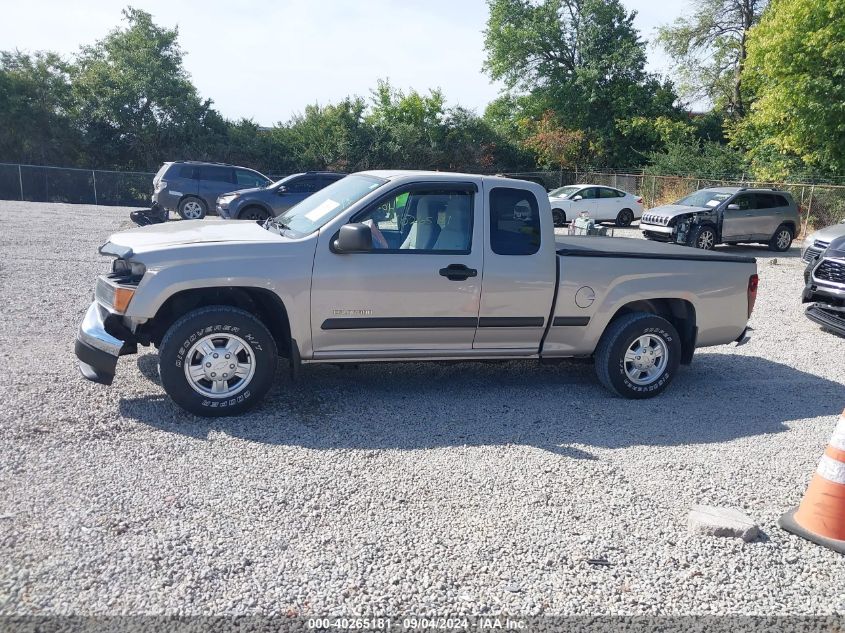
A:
825, 287
725, 215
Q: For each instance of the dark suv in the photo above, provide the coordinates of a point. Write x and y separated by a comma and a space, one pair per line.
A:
262, 202
191, 188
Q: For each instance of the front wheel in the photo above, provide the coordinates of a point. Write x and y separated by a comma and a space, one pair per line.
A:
559, 217
217, 361
704, 237
625, 217
781, 240
638, 355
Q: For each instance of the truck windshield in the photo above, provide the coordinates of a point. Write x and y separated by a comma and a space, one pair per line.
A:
704, 199
326, 204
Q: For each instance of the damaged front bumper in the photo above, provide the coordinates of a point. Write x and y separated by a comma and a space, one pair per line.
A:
829, 317
98, 346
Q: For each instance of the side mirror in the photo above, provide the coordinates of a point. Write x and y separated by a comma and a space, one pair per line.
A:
733, 207
577, 198
354, 238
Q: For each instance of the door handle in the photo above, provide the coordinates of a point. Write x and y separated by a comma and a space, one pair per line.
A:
458, 272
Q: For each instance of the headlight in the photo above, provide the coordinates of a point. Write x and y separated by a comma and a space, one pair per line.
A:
125, 268
113, 295
227, 198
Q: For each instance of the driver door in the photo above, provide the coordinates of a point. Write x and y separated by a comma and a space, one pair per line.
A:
736, 223
399, 299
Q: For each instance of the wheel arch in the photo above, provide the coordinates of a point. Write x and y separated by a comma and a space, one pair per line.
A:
679, 312
790, 224
264, 304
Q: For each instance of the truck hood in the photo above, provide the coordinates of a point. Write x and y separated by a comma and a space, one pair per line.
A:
171, 234
673, 210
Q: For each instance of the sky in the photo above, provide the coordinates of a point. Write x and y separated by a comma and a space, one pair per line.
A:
267, 60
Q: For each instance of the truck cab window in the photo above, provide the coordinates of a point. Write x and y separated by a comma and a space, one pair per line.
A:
514, 222
431, 221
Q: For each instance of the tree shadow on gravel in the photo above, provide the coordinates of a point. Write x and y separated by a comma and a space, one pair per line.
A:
559, 408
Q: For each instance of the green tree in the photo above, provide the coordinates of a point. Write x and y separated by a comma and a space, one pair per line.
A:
332, 137
136, 102
583, 59
36, 110
555, 146
796, 69
710, 48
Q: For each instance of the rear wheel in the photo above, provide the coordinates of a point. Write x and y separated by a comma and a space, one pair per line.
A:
781, 240
625, 217
192, 209
559, 217
254, 213
217, 361
638, 355
704, 237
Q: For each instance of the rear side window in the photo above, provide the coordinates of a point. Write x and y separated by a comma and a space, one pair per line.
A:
765, 201
217, 174
187, 171
514, 222
609, 193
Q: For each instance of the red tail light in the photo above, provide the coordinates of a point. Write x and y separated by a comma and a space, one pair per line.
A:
753, 282
639, 200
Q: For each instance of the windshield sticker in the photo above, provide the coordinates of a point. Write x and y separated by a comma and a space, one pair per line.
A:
323, 209
713, 203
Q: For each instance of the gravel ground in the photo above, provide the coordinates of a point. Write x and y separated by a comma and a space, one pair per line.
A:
400, 489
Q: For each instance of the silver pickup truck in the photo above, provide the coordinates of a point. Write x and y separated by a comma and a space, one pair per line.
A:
404, 266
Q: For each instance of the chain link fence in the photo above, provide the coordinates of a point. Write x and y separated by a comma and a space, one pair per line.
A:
76, 186
820, 204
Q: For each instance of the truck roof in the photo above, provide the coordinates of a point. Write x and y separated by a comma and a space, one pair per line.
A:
396, 174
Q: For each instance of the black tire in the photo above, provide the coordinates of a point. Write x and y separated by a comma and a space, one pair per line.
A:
255, 214
781, 240
222, 321
625, 217
619, 337
192, 208
559, 217
704, 237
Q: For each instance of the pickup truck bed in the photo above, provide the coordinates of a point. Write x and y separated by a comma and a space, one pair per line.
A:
632, 248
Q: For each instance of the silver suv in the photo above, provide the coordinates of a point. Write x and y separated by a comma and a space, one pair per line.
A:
191, 188
725, 215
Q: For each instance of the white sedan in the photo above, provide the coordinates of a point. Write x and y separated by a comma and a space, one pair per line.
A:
603, 204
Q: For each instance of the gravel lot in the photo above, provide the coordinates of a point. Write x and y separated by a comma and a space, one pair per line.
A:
399, 489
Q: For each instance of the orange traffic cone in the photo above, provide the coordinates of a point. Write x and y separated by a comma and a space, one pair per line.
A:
821, 516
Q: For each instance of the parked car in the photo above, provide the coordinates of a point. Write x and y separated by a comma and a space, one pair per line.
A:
824, 287
260, 203
818, 241
191, 188
603, 204
726, 215
387, 266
